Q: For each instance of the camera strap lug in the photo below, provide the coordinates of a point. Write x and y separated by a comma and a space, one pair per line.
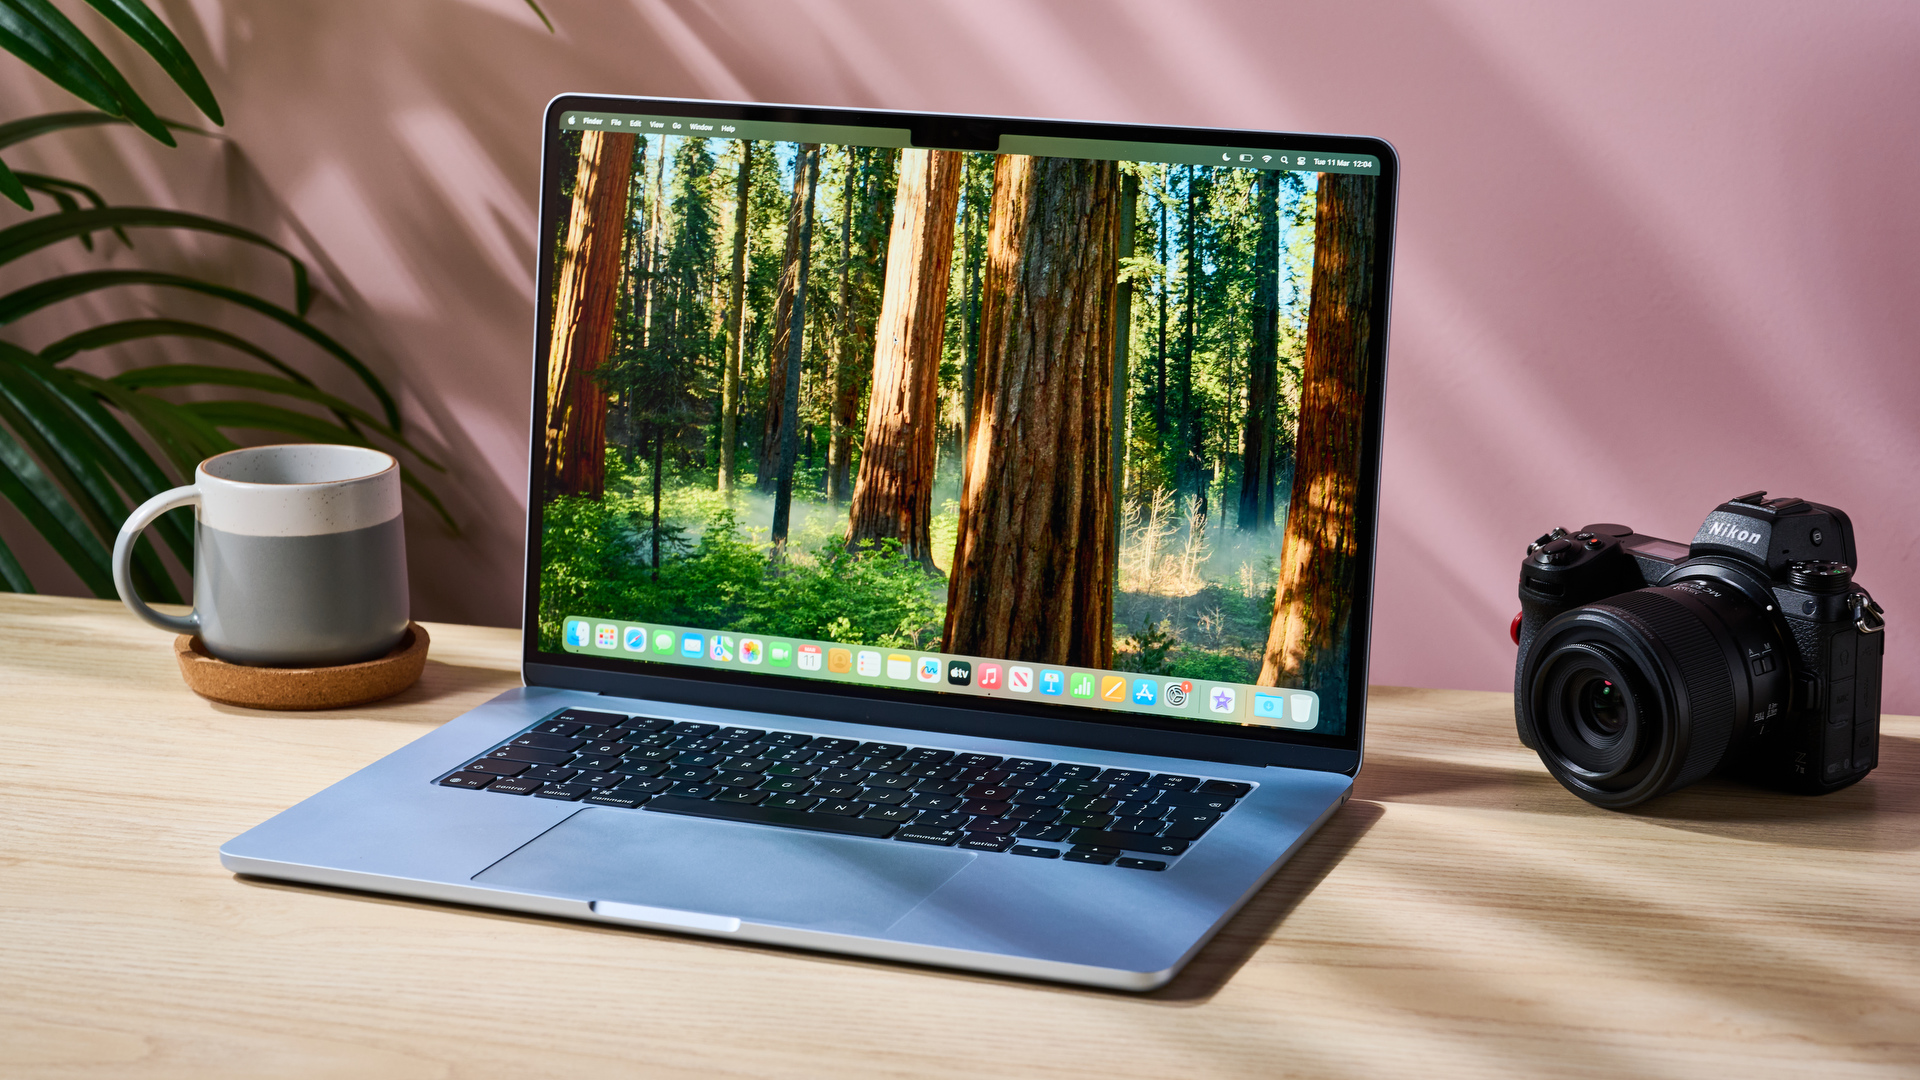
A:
1867, 615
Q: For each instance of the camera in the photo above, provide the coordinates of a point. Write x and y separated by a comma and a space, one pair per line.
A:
1647, 664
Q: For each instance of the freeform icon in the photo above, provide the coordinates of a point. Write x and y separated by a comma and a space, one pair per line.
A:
929, 669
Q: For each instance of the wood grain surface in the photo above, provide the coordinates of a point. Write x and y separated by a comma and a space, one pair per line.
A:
1463, 916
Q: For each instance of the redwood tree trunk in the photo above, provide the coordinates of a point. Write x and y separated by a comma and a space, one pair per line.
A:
809, 167
1307, 645
1263, 396
846, 378
736, 322
588, 292
783, 322
893, 496
1033, 569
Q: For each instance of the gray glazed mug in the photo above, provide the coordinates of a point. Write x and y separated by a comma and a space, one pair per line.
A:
299, 558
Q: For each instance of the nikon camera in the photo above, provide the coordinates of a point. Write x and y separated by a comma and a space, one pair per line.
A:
1647, 664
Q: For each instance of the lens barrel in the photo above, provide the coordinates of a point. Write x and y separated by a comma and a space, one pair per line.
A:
1649, 690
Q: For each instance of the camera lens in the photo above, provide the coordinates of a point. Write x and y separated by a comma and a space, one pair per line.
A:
1647, 691
1603, 709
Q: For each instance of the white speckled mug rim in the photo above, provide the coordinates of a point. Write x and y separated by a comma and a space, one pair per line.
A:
355, 487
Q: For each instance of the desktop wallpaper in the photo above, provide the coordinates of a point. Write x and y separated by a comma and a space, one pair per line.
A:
1044, 409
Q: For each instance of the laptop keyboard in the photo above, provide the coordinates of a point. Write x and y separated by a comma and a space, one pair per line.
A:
914, 794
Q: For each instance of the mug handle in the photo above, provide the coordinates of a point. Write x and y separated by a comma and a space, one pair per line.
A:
137, 523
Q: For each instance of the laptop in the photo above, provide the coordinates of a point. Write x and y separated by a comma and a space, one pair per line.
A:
950, 541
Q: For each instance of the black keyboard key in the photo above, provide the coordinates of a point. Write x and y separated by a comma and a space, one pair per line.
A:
587, 716
977, 761
1135, 825
1030, 781
1140, 864
839, 761
889, 780
1127, 777
833, 746
739, 779
1040, 798
597, 779
791, 802
471, 780
649, 724
1088, 856
626, 799
986, 807
986, 842
787, 738
1190, 800
789, 769
699, 745
1089, 804
1180, 815
688, 772
881, 749
990, 791
597, 764
1169, 782
498, 767
882, 765
935, 820
1225, 787
740, 795
1076, 772
940, 787
564, 792
785, 785
1136, 793
516, 785
1080, 787
1087, 821
772, 815
605, 748
839, 807
745, 764
655, 756
1049, 834
700, 761
926, 755
837, 791
633, 768
922, 834
1025, 765
1097, 849
1035, 852
645, 786
1041, 814
688, 727
549, 774
534, 740
1151, 845
794, 755
557, 727
1186, 830
883, 796
931, 772
687, 790
890, 813
980, 776
741, 734
933, 802
840, 776
531, 756
997, 826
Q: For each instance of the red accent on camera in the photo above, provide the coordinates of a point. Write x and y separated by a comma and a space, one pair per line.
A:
1514, 630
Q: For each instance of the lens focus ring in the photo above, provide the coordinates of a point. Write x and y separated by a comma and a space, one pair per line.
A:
1699, 667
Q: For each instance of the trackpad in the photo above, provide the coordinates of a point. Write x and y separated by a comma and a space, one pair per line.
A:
750, 872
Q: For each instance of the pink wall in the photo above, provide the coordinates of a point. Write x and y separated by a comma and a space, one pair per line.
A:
1651, 256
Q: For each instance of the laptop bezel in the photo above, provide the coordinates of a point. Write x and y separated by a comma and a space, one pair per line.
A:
999, 718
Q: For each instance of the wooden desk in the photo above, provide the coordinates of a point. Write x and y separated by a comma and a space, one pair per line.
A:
1463, 916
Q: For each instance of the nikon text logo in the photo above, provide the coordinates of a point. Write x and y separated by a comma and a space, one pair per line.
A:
1720, 530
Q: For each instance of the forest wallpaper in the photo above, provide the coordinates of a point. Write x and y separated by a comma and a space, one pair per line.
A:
1097, 413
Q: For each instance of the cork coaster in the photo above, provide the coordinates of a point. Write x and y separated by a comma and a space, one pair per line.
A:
302, 688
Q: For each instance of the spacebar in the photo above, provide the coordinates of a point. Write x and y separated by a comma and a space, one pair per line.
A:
770, 815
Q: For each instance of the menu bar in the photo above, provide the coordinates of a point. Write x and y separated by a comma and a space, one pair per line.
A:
872, 665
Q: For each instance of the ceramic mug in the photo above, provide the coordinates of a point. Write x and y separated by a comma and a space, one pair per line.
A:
299, 558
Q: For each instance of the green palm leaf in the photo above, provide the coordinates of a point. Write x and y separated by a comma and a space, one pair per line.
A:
13, 188
13, 576
32, 298
30, 236
138, 22
62, 53
27, 127
64, 192
116, 333
23, 484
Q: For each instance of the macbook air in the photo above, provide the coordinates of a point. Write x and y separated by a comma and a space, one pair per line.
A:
950, 541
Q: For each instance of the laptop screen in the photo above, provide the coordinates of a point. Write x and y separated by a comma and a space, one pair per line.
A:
1047, 418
